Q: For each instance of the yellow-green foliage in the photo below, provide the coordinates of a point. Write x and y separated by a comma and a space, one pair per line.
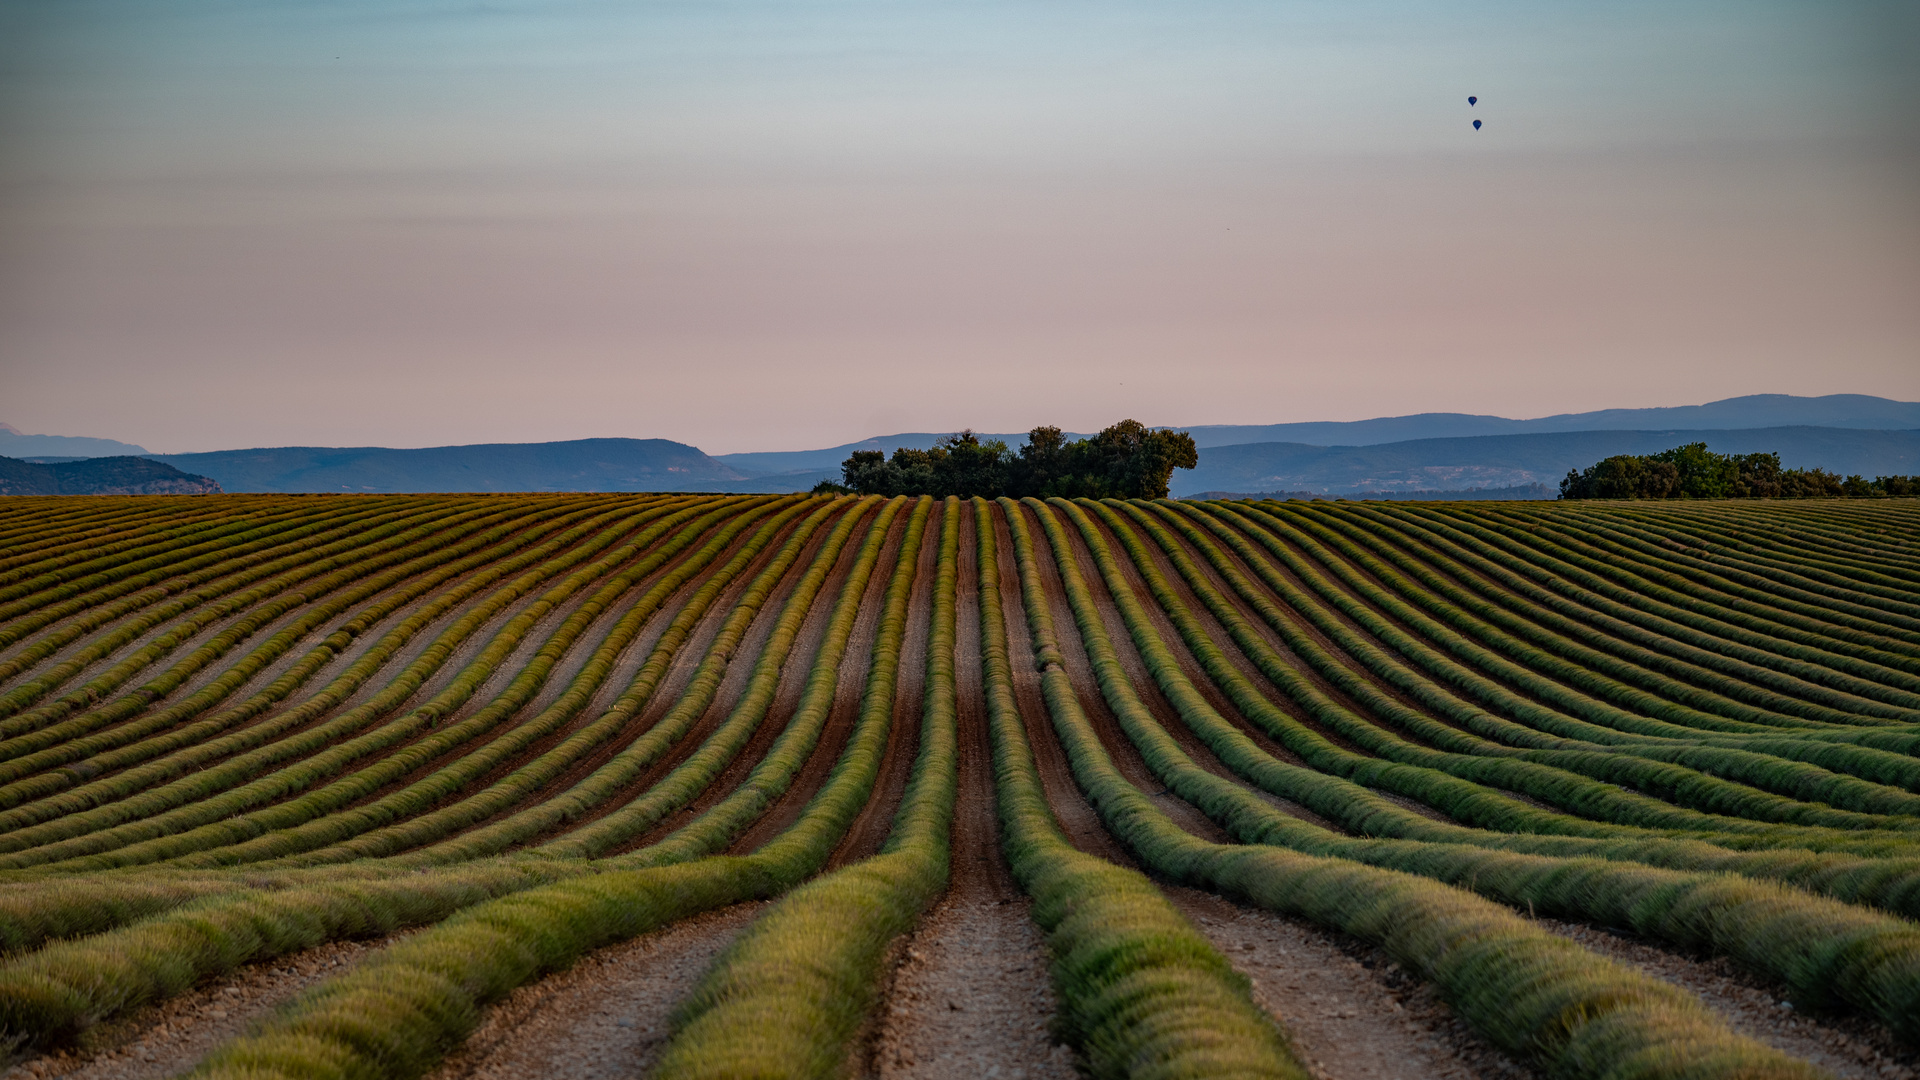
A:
232, 728
786, 999
1543, 997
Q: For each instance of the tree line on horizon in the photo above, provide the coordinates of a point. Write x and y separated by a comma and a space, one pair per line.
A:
1128, 460
1694, 472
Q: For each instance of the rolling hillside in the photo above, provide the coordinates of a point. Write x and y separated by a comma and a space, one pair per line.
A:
1497, 461
100, 476
580, 465
693, 786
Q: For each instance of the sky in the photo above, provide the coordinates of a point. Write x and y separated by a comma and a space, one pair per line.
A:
778, 225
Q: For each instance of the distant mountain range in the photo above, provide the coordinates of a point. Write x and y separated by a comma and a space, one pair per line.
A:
1495, 461
579, 465
100, 476
1442, 452
1740, 413
16, 444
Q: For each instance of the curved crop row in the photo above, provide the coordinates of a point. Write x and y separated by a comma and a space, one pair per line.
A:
427, 990
1536, 995
1828, 953
788, 997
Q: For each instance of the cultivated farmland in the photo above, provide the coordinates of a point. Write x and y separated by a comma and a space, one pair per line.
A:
724, 786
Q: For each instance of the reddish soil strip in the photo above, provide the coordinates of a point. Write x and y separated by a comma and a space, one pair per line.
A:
970, 997
1071, 810
1851, 1046
849, 688
1126, 757
870, 830
171, 1038
1351, 1011
606, 1016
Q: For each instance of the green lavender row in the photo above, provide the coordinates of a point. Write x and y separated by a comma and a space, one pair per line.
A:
142, 816
1538, 996
102, 606
1487, 762
1830, 954
1142, 992
788, 997
197, 609
184, 743
73, 738
403, 1009
60, 989
1626, 731
1731, 633
419, 821
227, 818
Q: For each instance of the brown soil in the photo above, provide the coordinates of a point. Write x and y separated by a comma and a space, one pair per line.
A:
1125, 756
850, 685
607, 1016
1144, 685
870, 830
970, 996
1351, 1012
420, 641
733, 682
794, 673
680, 671
1070, 809
1307, 628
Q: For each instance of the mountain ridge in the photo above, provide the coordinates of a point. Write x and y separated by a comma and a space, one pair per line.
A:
124, 475
574, 465
1495, 461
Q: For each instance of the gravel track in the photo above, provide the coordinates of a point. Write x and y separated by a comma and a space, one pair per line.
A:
1853, 1047
968, 993
970, 996
604, 1018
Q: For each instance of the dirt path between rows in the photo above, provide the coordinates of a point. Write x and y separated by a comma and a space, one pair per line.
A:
1853, 1047
170, 1038
1352, 1012
604, 1018
970, 997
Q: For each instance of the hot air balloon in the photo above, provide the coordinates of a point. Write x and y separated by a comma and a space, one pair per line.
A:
1471, 100
1476, 125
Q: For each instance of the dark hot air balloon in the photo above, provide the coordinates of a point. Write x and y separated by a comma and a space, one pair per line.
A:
1471, 100
1476, 125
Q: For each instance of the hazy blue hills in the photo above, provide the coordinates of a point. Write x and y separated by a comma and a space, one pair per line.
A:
100, 476
1500, 461
579, 465
16, 444
1752, 411
1432, 452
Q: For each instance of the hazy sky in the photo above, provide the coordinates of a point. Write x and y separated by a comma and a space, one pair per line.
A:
761, 225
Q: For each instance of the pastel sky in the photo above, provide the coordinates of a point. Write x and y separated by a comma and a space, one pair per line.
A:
774, 225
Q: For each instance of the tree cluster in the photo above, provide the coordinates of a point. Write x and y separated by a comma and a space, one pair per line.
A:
1128, 460
1694, 472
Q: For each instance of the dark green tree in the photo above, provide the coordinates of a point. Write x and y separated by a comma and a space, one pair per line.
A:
1127, 460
